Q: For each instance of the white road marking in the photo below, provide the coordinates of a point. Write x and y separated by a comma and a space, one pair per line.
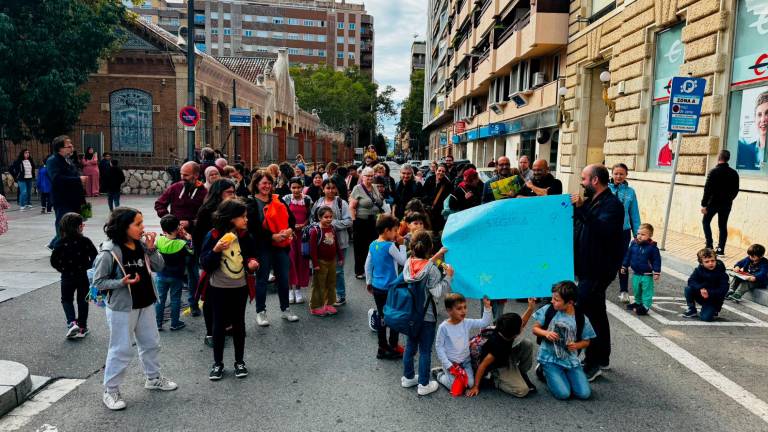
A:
748, 303
734, 391
22, 414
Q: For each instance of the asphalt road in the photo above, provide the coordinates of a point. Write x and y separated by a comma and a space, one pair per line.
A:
322, 374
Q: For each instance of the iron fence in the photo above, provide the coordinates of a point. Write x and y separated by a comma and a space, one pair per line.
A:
268, 148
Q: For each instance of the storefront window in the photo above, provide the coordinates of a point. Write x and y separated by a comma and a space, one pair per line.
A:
669, 57
748, 101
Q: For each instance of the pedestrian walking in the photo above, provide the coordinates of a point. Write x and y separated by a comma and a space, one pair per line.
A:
123, 268
301, 207
175, 246
620, 187
91, 170
23, 171
72, 256
113, 183
720, 190
104, 164
326, 256
228, 256
44, 188
342, 224
365, 205
67, 192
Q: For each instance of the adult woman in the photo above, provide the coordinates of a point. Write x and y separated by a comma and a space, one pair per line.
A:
271, 224
212, 174
283, 182
468, 192
365, 205
220, 191
620, 187
352, 177
382, 170
342, 222
315, 190
91, 170
436, 190
23, 170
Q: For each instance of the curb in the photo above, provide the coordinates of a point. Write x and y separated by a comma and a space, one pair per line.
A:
15, 385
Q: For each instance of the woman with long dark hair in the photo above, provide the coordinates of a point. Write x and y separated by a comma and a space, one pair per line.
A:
23, 170
91, 170
315, 190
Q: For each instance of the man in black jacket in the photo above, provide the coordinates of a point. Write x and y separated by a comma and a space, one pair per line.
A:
543, 183
407, 189
720, 190
67, 192
598, 228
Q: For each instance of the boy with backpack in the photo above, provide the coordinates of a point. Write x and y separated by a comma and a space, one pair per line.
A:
175, 246
563, 331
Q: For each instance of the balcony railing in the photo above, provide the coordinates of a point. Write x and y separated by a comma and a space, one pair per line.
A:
509, 31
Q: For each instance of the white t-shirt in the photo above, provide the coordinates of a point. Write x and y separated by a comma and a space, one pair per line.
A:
452, 341
27, 169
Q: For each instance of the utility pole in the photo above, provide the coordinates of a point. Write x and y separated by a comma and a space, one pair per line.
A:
191, 73
234, 105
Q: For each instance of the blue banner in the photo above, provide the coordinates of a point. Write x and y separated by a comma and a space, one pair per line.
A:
513, 248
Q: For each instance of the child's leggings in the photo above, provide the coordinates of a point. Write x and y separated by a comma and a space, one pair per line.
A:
71, 286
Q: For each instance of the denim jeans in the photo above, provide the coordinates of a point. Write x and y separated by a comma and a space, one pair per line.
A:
113, 200
25, 192
709, 306
279, 261
423, 345
166, 286
563, 383
341, 287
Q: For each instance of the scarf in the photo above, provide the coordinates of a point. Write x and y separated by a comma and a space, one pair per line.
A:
276, 219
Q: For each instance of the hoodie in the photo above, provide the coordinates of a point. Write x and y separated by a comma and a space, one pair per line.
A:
628, 199
175, 253
417, 270
644, 258
342, 221
715, 281
759, 270
108, 275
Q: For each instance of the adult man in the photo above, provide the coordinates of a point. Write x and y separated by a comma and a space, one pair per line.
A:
503, 168
543, 183
241, 181
720, 190
467, 193
598, 225
524, 165
450, 167
67, 192
185, 198
406, 189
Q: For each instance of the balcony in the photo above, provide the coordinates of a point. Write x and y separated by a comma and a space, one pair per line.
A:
487, 19
534, 34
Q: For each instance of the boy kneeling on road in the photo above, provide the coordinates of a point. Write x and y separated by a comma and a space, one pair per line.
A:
756, 268
708, 286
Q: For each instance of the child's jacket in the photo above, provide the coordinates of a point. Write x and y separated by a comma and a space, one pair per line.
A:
175, 253
759, 270
644, 258
715, 281
72, 257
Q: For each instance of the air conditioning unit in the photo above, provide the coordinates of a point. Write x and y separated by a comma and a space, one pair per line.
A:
498, 107
538, 79
519, 99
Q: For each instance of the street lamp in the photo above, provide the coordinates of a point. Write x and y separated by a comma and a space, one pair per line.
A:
605, 78
563, 116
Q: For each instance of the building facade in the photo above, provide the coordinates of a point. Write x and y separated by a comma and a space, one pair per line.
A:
493, 70
636, 47
418, 55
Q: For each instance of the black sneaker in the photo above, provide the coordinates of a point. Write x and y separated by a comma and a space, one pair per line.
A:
386, 354
217, 372
240, 370
195, 312
528, 382
208, 341
340, 302
720, 252
691, 314
632, 306
592, 372
178, 326
641, 310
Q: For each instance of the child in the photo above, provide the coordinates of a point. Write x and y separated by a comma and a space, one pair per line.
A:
421, 268
384, 255
644, 258
756, 266
708, 286
72, 256
44, 187
301, 207
452, 344
4, 205
114, 183
561, 340
175, 245
227, 255
123, 268
415, 222
326, 253
507, 357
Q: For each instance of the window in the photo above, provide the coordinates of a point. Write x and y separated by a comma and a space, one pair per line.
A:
522, 77
199, 19
351, 56
309, 51
340, 55
131, 115
351, 41
669, 57
341, 25
277, 20
600, 8
499, 90
321, 38
214, 15
352, 26
214, 31
309, 37
322, 24
146, 5
555, 66
262, 49
262, 33
248, 33
309, 23
748, 101
321, 53
293, 21
277, 35
247, 18
147, 18
340, 39
293, 36
262, 19
293, 51
227, 17
227, 32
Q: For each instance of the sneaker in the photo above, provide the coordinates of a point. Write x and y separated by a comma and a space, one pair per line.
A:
386, 354
160, 383
340, 302
632, 306
113, 400
289, 316
373, 319
318, 312
720, 252
641, 310
299, 297
160, 328
735, 297
72, 330
240, 370
22, 208
528, 382
291, 296
271, 277
208, 341
605, 367
42, 211
217, 372
592, 372
408, 383
691, 313
435, 371
359, 277
261, 319
82, 333
330, 310
178, 326
29, 206
624, 297
195, 312
427, 389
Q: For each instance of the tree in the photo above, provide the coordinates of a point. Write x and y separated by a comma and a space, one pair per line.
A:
412, 114
48, 49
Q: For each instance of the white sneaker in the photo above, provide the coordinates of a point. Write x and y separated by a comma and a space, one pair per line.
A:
29, 206
261, 319
113, 400
289, 316
408, 383
624, 297
271, 277
22, 208
299, 297
73, 330
292, 296
427, 389
160, 383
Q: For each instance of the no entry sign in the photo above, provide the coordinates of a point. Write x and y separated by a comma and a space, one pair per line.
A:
189, 116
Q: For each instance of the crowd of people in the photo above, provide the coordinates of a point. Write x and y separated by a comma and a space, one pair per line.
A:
228, 233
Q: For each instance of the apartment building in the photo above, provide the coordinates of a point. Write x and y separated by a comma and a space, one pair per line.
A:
418, 55
169, 16
493, 68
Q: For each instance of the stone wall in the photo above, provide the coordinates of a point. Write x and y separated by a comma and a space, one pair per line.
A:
9, 185
145, 182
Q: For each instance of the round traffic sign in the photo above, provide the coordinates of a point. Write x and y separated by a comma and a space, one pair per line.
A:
189, 116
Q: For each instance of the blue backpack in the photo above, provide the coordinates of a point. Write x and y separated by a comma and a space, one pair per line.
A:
306, 234
406, 306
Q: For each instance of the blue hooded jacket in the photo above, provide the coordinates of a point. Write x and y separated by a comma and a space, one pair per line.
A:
643, 258
715, 281
759, 270
628, 198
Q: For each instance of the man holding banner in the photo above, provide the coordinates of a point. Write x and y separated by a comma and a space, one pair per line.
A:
598, 225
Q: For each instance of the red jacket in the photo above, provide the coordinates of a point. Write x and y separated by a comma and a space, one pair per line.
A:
184, 205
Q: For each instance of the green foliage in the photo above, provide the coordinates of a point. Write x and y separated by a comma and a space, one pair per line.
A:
48, 49
412, 112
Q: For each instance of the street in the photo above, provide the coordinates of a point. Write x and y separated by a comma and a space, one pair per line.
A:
322, 374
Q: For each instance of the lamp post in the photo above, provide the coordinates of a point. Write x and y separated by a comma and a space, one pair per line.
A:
605, 78
191, 73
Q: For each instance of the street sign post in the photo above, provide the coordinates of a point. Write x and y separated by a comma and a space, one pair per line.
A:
240, 117
685, 99
189, 116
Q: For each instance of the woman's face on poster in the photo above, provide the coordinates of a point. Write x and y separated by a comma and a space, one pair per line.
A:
761, 121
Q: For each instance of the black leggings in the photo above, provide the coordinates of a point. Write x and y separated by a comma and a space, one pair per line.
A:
69, 287
380, 297
228, 307
364, 233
